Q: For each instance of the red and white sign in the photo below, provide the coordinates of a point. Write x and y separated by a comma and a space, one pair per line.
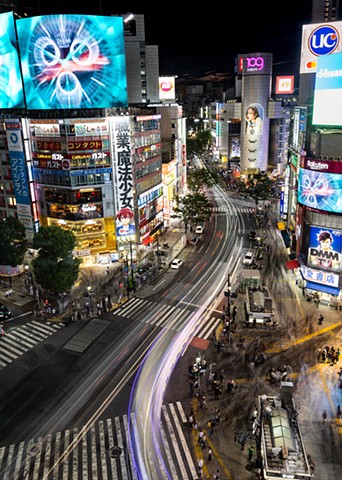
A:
285, 84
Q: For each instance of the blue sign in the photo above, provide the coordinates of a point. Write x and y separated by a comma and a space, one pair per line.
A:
324, 40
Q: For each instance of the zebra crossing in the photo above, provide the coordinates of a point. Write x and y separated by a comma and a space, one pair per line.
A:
100, 451
248, 210
21, 339
164, 316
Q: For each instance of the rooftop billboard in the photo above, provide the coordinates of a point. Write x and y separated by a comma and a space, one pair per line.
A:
11, 88
73, 61
328, 91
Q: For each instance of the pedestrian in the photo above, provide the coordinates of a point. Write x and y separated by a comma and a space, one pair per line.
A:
324, 415
216, 475
338, 412
209, 454
200, 463
250, 453
200, 437
204, 441
107, 270
320, 319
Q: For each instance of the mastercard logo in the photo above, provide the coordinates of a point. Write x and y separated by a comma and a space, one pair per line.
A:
311, 65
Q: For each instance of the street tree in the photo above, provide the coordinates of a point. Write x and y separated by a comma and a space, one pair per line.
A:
258, 187
199, 144
12, 242
200, 178
192, 208
55, 269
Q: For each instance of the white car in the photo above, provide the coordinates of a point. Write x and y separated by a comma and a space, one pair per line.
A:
248, 258
199, 229
176, 263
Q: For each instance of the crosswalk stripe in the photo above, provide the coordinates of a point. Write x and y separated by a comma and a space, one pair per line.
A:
21, 339
25, 339
180, 433
168, 316
9, 345
129, 306
7, 340
163, 315
90, 459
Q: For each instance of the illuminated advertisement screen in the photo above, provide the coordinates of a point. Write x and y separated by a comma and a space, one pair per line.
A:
285, 85
320, 190
11, 88
325, 248
328, 91
73, 61
167, 88
319, 39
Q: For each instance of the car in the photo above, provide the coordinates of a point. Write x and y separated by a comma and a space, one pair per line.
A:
252, 235
4, 312
248, 258
199, 229
176, 263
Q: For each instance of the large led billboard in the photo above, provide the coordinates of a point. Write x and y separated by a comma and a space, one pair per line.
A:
73, 61
319, 39
328, 91
325, 248
167, 88
11, 88
320, 190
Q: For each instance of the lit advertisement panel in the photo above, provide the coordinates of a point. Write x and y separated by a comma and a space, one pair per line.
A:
73, 61
325, 248
320, 276
319, 39
285, 85
167, 88
11, 88
328, 91
320, 190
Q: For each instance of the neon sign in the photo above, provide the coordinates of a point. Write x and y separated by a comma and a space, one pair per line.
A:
254, 63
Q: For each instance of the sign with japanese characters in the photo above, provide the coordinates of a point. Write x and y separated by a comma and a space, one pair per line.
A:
17, 161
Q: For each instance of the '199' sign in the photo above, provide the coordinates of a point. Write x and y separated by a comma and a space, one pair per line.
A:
255, 63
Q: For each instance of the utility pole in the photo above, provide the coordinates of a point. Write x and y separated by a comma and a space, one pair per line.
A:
132, 272
228, 296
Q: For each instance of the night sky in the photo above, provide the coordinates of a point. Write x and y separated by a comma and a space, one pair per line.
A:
193, 39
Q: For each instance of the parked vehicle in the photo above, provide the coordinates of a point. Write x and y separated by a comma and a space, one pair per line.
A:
200, 229
176, 263
248, 259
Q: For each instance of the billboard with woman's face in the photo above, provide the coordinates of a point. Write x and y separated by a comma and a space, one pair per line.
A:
254, 119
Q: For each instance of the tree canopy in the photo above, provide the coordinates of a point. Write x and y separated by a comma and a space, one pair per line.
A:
192, 208
258, 187
55, 269
12, 242
200, 178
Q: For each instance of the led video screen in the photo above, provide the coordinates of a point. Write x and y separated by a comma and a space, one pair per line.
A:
320, 190
73, 61
328, 91
11, 88
325, 248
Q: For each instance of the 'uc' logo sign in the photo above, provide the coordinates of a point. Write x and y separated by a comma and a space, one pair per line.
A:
324, 40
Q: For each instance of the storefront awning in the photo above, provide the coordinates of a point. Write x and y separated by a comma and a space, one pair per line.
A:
292, 264
322, 288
